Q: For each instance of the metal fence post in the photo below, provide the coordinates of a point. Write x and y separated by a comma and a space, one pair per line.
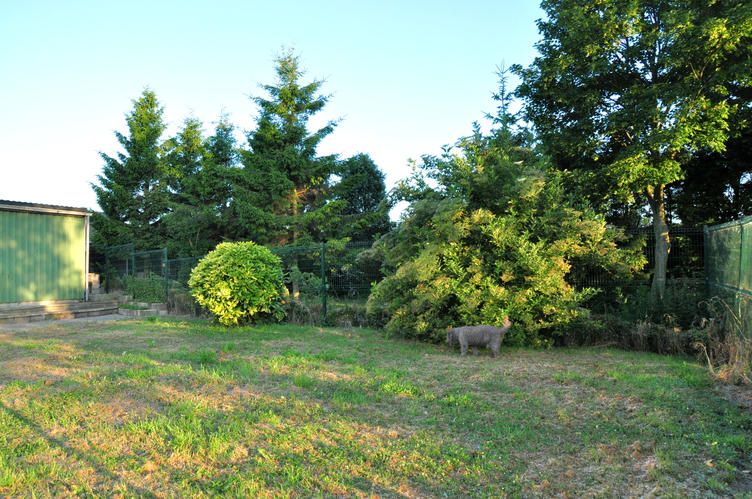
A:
324, 286
165, 273
706, 259
107, 271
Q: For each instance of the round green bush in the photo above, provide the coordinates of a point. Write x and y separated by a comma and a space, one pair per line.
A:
238, 283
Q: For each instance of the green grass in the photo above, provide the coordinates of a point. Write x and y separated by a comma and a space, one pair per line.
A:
175, 408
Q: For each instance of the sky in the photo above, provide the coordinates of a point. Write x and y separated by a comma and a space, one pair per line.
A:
405, 77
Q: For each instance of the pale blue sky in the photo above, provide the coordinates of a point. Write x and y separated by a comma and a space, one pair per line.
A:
406, 77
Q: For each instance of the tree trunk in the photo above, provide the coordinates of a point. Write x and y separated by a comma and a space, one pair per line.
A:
657, 203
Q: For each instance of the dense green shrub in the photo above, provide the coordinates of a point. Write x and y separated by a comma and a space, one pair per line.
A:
498, 235
239, 282
149, 289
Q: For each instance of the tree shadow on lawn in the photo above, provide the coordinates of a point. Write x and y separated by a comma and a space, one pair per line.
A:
75, 454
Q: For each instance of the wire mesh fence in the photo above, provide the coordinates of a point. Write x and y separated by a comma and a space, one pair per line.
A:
330, 282
685, 260
324, 281
177, 272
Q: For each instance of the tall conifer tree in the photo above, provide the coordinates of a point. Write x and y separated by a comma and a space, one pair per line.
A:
200, 173
279, 197
133, 189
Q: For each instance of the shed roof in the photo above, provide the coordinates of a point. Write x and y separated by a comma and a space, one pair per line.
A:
6, 205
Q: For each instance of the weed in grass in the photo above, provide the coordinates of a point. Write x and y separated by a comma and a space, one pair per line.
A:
303, 381
201, 357
350, 395
399, 388
458, 400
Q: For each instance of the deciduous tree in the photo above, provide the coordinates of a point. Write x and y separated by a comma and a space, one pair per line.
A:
626, 91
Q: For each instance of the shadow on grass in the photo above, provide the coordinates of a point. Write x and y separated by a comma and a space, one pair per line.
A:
100, 469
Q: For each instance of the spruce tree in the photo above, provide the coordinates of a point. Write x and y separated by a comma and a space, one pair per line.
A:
200, 170
279, 197
133, 189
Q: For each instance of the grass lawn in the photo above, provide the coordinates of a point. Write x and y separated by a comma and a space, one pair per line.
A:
167, 408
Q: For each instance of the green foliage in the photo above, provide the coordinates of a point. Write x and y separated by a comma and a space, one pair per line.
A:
717, 186
187, 193
680, 305
280, 193
484, 266
200, 172
149, 289
361, 187
627, 91
498, 235
238, 283
132, 306
133, 189
308, 283
655, 75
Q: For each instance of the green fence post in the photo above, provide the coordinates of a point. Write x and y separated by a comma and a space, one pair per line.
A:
165, 273
706, 259
107, 270
324, 286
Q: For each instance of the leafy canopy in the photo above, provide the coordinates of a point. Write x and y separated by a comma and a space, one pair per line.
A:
631, 88
626, 91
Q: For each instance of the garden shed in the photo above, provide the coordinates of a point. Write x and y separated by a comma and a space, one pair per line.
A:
44, 252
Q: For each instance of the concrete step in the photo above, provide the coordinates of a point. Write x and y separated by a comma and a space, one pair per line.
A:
138, 313
90, 311
21, 318
19, 313
113, 295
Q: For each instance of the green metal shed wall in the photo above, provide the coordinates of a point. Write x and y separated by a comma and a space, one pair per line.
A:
42, 257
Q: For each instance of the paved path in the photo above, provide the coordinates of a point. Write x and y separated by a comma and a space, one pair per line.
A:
25, 326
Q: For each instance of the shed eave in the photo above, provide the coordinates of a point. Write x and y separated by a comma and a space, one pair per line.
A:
54, 210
